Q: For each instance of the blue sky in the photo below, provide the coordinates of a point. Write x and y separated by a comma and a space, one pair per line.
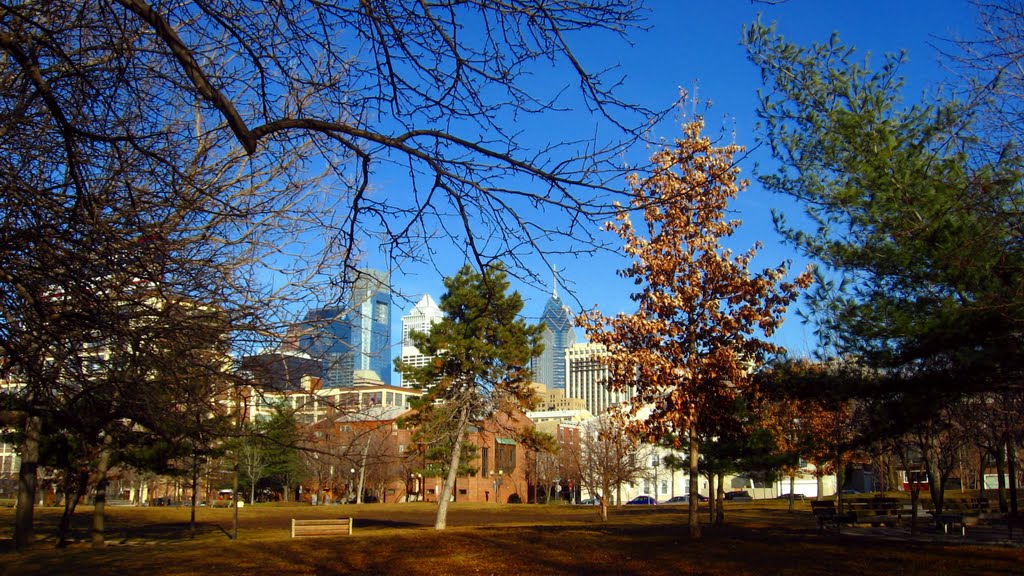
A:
695, 45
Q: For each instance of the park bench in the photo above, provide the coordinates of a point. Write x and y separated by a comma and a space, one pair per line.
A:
321, 527
876, 511
825, 512
961, 512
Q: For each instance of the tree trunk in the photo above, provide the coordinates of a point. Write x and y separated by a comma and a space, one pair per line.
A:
362, 469
982, 460
934, 483
711, 498
440, 523
100, 503
24, 528
234, 504
720, 501
1000, 476
195, 489
74, 486
792, 488
694, 519
1011, 468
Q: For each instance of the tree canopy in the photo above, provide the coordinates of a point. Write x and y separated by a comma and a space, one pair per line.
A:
914, 211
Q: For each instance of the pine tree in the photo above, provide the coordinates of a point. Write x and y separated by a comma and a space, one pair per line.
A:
480, 352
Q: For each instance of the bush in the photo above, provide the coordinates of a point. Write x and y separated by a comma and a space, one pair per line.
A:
514, 498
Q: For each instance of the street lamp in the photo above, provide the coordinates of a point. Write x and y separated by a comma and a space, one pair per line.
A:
497, 486
417, 482
654, 462
351, 483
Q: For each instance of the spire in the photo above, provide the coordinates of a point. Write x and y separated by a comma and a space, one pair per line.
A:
554, 282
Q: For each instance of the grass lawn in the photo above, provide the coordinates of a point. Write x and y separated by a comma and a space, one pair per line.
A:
760, 538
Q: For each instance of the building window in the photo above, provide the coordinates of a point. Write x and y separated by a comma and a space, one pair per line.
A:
664, 486
485, 457
505, 454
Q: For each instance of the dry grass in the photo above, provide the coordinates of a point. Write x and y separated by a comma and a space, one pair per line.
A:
761, 538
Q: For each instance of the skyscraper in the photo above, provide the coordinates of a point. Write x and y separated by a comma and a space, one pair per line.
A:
549, 367
352, 338
422, 316
587, 378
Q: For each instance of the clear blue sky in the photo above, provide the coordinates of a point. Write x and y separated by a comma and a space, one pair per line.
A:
695, 45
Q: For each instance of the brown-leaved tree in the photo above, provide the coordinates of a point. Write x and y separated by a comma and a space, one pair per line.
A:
701, 312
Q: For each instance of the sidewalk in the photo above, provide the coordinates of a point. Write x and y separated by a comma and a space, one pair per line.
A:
983, 535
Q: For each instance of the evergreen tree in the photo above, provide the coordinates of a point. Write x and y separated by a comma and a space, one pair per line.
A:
913, 210
481, 349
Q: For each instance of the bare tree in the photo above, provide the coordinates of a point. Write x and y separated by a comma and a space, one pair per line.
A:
605, 458
174, 142
437, 90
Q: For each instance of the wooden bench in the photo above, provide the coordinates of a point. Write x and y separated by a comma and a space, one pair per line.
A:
825, 512
876, 511
321, 527
961, 512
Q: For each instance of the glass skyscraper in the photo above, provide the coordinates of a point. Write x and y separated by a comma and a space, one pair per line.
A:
549, 367
352, 338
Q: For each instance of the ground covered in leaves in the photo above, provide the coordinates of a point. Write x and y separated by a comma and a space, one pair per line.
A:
760, 538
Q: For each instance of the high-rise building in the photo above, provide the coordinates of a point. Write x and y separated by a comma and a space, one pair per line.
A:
356, 337
587, 378
549, 367
422, 316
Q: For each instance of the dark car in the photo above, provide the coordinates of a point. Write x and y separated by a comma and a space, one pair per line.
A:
799, 497
641, 500
685, 499
738, 495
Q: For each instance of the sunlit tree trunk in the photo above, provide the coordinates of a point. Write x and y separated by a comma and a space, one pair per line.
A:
694, 518
441, 522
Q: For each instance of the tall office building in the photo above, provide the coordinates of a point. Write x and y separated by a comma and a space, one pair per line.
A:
587, 378
422, 316
356, 337
549, 367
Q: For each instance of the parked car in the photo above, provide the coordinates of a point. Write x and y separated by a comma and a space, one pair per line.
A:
685, 499
590, 502
641, 500
799, 497
738, 495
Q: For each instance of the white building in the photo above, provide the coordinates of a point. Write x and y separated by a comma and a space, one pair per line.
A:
314, 403
423, 315
586, 378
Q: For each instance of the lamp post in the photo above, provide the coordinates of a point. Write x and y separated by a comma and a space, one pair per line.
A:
417, 483
497, 486
654, 463
351, 483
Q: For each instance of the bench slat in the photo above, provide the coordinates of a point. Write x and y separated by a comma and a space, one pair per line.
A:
322, 527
